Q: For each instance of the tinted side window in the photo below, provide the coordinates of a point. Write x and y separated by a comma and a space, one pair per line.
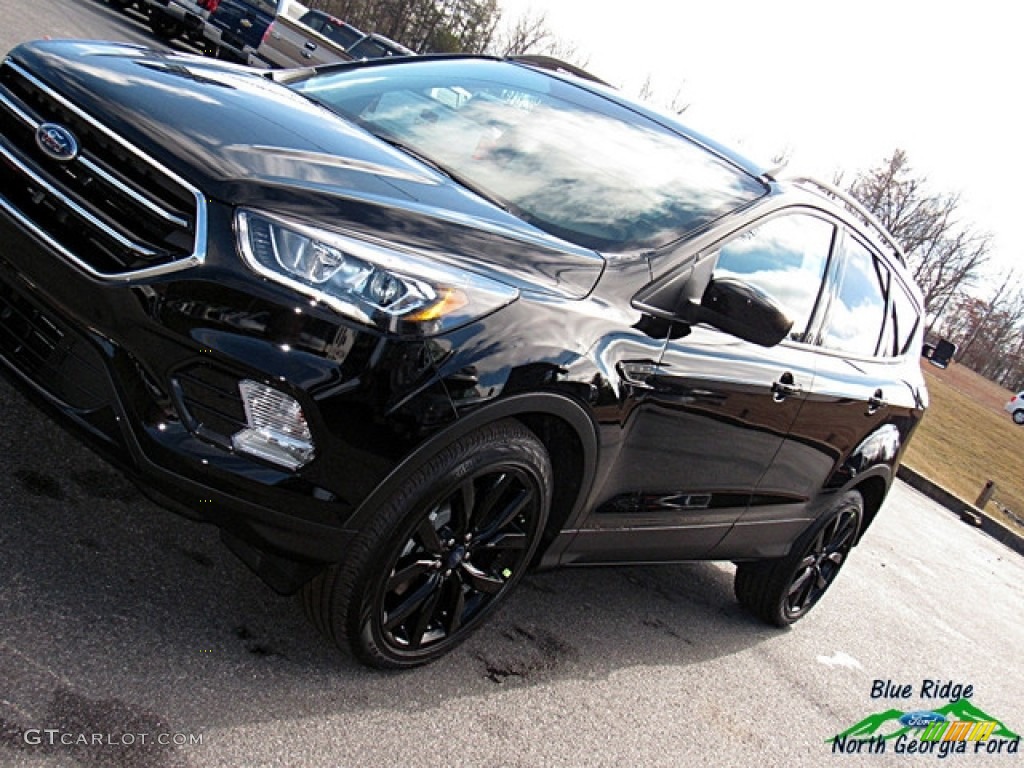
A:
367, 48
313, 20
785, 257
342, 34
904, 318
858, 311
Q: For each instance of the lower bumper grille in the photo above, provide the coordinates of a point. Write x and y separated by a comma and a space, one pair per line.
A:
210, 403
47, 351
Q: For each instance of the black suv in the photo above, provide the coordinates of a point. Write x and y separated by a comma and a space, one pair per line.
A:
404, 329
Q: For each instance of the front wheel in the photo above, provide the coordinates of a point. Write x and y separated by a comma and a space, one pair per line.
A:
783, 591
1018, 418
442, 554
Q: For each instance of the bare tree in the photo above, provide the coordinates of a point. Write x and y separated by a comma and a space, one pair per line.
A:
529, 33
676, 105
990, 333
423, 25
945, 255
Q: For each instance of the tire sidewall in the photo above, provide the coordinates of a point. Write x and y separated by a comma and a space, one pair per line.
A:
522, 453
851, 500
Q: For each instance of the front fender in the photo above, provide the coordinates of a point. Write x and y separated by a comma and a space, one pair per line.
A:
527, 407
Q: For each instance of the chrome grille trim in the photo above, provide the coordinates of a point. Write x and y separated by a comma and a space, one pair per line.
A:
76, 209
198, 255
18, 112
142, 200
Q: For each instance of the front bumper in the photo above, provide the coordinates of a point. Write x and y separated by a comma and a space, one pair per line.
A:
119, 364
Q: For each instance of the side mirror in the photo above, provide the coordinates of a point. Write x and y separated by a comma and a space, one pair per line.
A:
739, 308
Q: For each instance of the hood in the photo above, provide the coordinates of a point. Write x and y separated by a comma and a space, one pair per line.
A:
243, 139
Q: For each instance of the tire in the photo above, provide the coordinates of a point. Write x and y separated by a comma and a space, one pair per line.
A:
442, 554
783, 591
164, 27
1018, 418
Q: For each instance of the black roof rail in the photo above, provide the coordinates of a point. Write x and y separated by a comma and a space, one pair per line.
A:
855, 207
556, 65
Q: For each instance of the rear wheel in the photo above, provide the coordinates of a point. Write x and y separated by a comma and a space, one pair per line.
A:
442, 554
1018, 417
783, 591
164, 27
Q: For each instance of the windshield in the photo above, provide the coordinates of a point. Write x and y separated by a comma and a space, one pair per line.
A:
568, 161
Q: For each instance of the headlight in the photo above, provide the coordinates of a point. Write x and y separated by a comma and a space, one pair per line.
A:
373, 283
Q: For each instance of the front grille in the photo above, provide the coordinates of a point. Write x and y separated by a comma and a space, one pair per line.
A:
49, 352
210, 403
112, 210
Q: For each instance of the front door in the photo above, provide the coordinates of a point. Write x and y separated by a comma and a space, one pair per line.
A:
714, 412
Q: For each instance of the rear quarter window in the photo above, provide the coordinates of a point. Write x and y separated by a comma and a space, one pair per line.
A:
857, 313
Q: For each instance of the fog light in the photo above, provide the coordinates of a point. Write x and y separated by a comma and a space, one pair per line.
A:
277, 430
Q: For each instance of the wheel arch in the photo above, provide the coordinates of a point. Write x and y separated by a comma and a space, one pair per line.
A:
562, 424
873, 489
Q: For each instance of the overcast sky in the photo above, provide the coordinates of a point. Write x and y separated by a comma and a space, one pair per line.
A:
837, 84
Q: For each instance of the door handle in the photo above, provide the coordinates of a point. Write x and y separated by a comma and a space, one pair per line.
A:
877, 402
785, 387
310, 45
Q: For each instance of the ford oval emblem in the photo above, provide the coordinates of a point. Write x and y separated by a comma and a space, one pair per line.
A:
57, 142
921, 719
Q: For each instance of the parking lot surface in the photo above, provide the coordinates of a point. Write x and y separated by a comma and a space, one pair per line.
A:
131, 637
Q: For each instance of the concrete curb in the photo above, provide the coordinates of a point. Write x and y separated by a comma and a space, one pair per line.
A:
963, 509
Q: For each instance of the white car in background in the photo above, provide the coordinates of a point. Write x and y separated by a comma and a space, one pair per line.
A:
1016, 408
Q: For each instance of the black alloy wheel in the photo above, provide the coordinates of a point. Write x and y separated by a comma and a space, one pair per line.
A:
443, 553
783, 591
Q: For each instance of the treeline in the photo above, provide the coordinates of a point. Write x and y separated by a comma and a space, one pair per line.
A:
950, 260
441, 26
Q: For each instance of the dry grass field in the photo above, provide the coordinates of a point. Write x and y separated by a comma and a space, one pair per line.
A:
966, 438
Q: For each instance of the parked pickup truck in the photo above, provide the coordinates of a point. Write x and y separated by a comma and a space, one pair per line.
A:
237, 27
319, 38
178, 18
314, 38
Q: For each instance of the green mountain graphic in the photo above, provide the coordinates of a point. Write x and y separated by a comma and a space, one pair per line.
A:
880, 723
